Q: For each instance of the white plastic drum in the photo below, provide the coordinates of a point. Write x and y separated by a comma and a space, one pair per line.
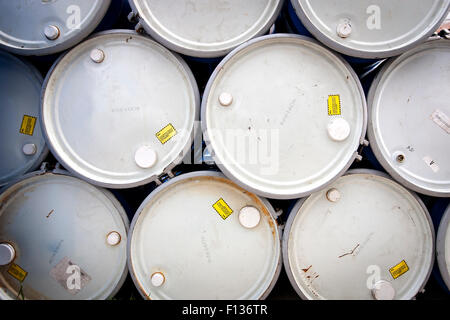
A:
23, 146
119, 109
41, 27
364, 237
371, 29
443, 247
200, 236
60, 239
283, 116
205, 28
409, 118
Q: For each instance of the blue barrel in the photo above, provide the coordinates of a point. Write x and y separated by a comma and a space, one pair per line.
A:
23, 147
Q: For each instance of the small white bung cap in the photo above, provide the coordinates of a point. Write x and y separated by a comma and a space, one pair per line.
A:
225, 99
249, 217
51, 32
158, 279
29, 149
333, 195
97, 55
344, 29
7, 254
338, 129
113, 238
383, 290
145, 157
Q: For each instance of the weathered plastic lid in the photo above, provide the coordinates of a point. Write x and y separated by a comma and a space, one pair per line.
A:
205, 28
409, 118
371, 29
119, 109
443, 247
68, 240
199, 236
375, 242
23, 146
48, 26
283, 116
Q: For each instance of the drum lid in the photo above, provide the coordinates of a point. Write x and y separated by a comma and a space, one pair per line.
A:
409, 118
47, 26
363, 231
206, 28
283, 116
119, 109
199, 236
69, 239
372, 29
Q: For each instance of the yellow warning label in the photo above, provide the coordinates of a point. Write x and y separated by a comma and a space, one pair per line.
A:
222, 208
28, 124
17, 272
399, 269
334, 105
166, 133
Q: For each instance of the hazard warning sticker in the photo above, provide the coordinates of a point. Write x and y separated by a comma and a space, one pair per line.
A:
166, 133
334, 105
222, 208
17, 272
399, 269
28, 124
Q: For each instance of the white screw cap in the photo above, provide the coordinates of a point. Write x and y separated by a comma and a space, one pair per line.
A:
158, 279
7, 254
383, 290
51, 32
338, 129
344, 29
29, 149
333, 195
97, 55
225, 99
249, 217
113, 238
145, 157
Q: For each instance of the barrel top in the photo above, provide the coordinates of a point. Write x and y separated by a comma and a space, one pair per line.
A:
283, 116
409, 118
200, 236
376, 241
69, 239
23, 146
47, 26
119, 109
371, 29
206, 28
443, 247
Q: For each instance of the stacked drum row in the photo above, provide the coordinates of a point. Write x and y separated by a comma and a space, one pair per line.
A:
236, 136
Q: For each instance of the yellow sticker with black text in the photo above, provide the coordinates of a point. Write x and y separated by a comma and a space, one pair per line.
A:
17, 272
222, 208
166, 133
334, 105
28, 124
399, 269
